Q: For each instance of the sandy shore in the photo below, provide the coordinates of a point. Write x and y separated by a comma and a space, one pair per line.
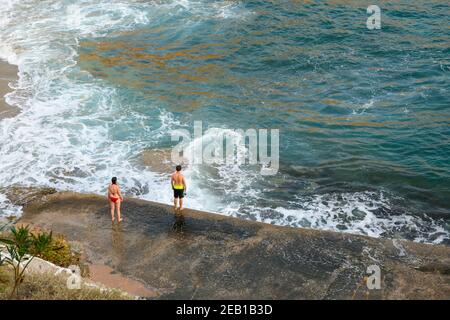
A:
8, 73
200, 255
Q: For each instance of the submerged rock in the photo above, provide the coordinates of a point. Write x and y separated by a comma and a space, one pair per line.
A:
159, 160
199, 255
22, 196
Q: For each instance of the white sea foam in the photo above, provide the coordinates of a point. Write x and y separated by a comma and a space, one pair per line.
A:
354, 213
201, 9
360, 110
212, 181
8, 209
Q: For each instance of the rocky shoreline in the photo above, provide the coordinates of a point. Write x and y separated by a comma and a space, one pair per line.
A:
200, 255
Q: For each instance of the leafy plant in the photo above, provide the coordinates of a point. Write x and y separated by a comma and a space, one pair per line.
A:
59, 252
42, 241
1, 255
22, 246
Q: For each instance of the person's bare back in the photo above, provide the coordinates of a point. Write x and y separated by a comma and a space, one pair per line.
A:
113, 190
178, 179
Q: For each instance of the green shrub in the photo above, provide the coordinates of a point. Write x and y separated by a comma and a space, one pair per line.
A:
60, 253
22, 246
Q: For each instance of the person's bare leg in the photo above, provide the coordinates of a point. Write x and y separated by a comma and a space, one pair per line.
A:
175, 202
118, 210
112, 210
181, 204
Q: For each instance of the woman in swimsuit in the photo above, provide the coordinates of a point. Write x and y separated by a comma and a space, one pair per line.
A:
115, 198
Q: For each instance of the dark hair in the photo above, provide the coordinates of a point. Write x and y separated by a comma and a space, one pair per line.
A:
178, 168
114, 180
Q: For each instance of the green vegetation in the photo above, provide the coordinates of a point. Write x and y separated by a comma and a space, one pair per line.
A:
50, 287
4, 279
60, 253
22, 246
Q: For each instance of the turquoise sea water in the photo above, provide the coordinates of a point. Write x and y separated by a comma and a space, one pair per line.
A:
363, 114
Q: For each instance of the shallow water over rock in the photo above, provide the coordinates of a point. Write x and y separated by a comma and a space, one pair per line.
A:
198, 255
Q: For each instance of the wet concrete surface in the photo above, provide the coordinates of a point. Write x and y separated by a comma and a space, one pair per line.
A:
199, 255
